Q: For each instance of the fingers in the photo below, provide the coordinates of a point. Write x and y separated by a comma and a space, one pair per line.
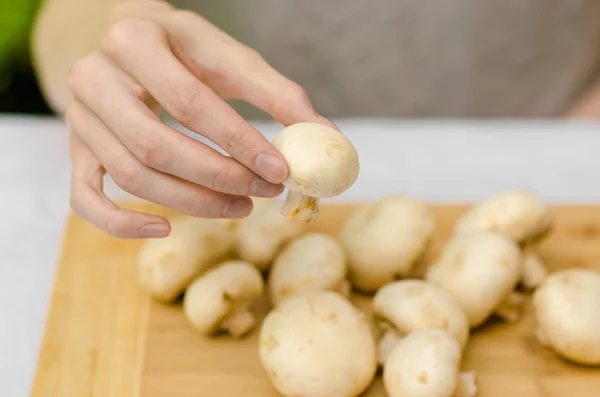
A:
89, 201
132, 43
264, 87
146, 183
236, 71
118, 101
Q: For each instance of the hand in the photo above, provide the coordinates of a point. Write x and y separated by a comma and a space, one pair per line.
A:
155, 56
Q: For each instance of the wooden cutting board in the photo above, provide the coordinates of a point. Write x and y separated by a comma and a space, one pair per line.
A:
104, 337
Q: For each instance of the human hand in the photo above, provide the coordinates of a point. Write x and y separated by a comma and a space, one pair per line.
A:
155, 56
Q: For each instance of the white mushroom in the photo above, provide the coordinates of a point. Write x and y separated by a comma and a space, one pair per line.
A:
167, 266
426, 363
322, 163
312, 262
261, 235
567, 311
480, 271
518, 214
220, 300
317, 344
383, 240
534, 270
405, 306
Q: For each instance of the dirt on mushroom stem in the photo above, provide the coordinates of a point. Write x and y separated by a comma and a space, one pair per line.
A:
300, 208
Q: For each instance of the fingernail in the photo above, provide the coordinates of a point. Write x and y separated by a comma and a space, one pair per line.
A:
156, 230
263, 188
237, 208
271, 168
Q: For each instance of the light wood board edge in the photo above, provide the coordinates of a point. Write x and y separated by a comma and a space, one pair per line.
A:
95, 331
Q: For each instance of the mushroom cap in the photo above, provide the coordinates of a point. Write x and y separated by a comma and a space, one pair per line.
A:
411, 305
167, 266
322, 161
426, 363
567, 311
212, 297
479, 271
384, 239
518, 214
317, 344
314, 261
261, 235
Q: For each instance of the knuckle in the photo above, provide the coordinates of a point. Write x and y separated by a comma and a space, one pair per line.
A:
123, 36
82, 70
141, 94
198, 204
237, 142
297, 93
127, 176
278, 107
219, 73
71, 117
284, 101
114, 227
149, 150
184, 103
251, 55
223, 180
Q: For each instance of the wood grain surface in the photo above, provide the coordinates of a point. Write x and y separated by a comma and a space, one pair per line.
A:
105, 337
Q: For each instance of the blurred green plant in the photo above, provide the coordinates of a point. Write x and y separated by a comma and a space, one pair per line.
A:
16, 19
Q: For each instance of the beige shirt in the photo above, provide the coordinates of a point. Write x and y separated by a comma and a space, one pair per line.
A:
422, 58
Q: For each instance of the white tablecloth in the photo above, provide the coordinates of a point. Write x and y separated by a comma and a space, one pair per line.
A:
436, 161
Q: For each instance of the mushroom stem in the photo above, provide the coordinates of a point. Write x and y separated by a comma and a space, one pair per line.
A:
300, 207
467, 384
239, 322
387, 343
510, 309
534, 271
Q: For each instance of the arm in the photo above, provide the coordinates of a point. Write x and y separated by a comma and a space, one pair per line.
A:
588, 106
66, 30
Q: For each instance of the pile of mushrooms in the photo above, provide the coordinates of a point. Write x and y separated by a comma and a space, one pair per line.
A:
314, 340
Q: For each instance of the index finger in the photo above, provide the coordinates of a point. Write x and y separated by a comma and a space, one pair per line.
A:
141, 49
